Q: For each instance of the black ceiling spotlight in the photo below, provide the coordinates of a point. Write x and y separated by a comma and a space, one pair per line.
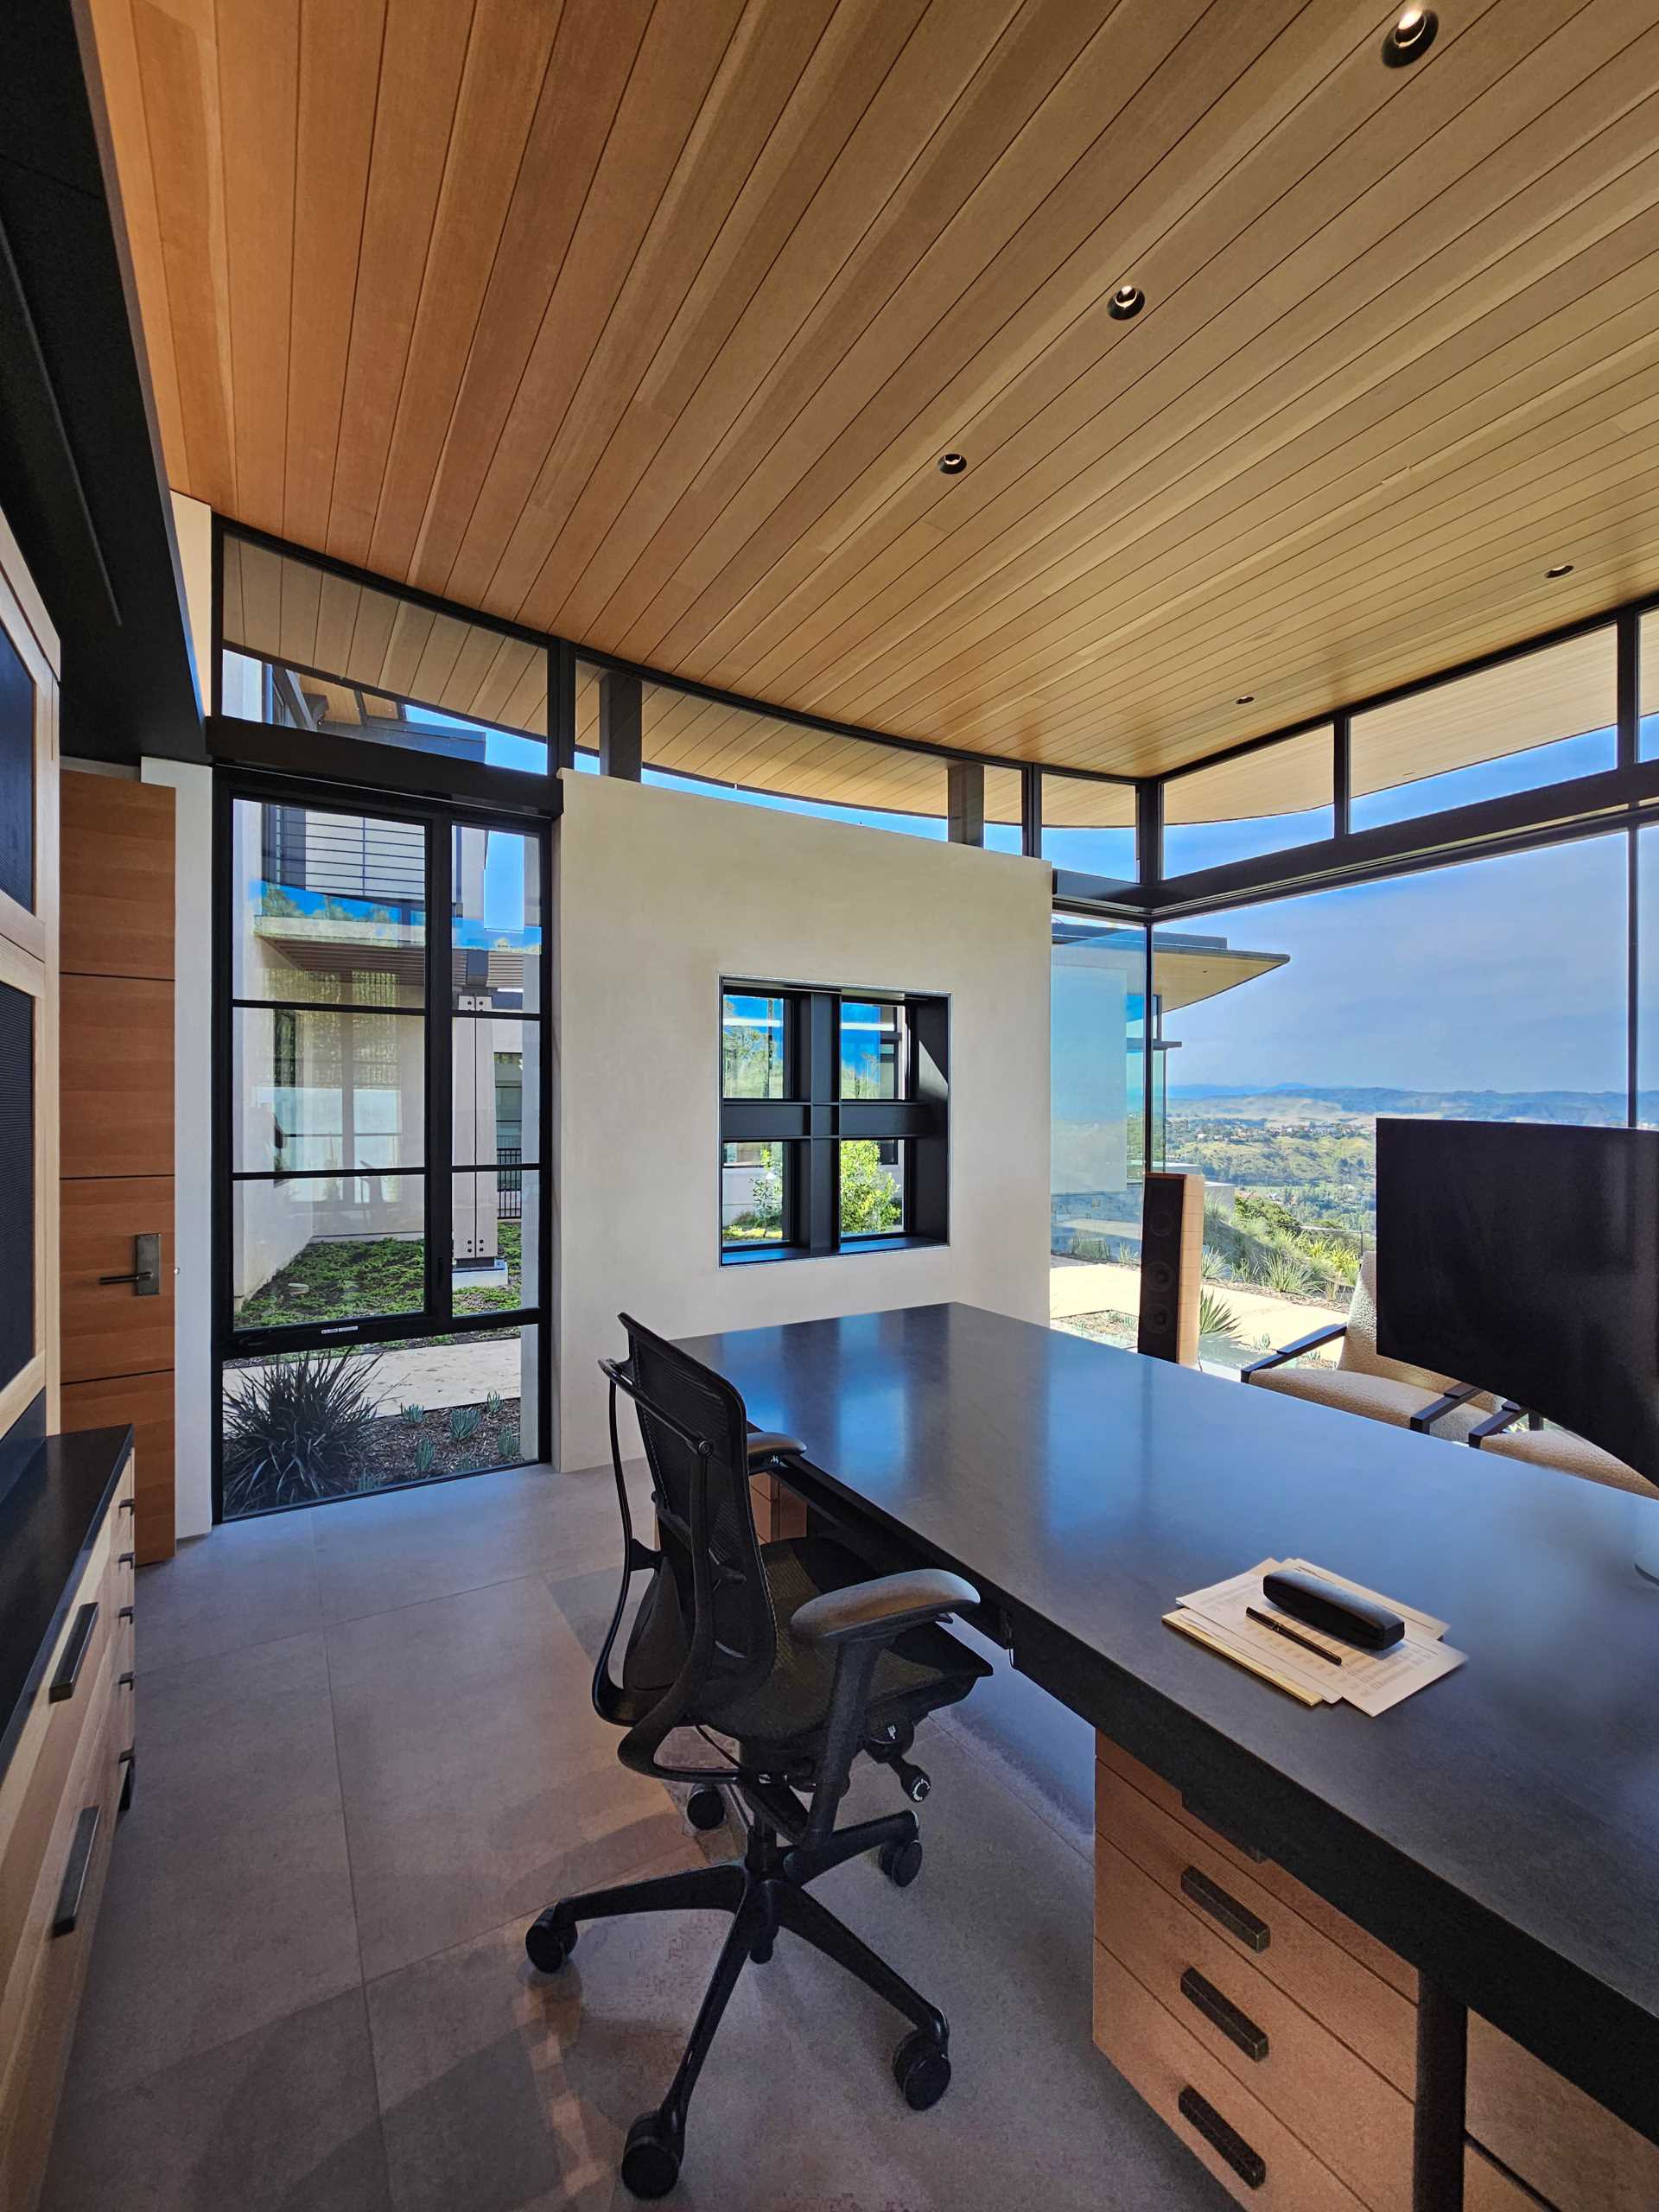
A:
1125, 303
952, 464
1562, 569
1411, 37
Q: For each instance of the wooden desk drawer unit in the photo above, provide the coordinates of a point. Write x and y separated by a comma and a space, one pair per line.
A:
1347, 2113
1243, 2144
1261, 1927
1315, 2023
59, 1794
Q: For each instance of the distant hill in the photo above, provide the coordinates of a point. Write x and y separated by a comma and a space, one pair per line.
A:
1300, 1101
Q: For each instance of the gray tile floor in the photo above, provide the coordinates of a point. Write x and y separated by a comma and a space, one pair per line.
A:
368, 1758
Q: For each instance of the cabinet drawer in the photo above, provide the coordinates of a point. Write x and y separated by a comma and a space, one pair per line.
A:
1248, 2150
1374, 2020
50, 1969
1358, 2124
1571, 2151
1384, 1962
54, 1736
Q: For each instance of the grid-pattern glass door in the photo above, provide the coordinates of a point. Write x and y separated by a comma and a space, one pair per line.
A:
380, 1275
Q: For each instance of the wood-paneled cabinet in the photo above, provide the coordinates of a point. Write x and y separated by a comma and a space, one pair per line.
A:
117, 1127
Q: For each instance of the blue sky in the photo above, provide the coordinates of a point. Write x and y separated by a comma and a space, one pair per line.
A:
1505, 974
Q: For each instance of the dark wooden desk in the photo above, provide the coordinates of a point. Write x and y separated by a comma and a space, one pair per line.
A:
1501, 1831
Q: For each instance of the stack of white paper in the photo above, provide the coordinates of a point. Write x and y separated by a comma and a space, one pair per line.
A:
1332, 1671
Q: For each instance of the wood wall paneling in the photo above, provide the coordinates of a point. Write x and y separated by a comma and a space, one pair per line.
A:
116, 1075
116, 1124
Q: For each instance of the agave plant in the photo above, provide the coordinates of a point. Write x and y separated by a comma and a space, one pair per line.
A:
296, 1430
463, 1421
426, 1455
1217, 1319
411, 1416
493, 1406
507, 1445
1288, 1272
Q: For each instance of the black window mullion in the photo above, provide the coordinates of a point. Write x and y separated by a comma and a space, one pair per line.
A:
440, 1069
822, 1028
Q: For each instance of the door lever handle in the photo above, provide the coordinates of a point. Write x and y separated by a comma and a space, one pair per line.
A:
146, 1277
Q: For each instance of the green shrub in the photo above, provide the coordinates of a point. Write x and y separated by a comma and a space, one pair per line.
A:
1217, 1268
426, 1455
296, 1430
507, 1444
1288, 1272
464, 1420
411, 1416
493, 1406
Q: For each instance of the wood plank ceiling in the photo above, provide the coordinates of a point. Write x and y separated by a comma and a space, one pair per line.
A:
647, 324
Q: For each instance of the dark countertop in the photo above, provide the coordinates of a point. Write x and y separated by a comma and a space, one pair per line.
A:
49, 1519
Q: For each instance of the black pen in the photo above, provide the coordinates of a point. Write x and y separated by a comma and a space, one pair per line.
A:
1292, 1636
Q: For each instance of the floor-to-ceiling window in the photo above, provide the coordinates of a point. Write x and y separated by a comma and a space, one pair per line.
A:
382, 1215
1494, 989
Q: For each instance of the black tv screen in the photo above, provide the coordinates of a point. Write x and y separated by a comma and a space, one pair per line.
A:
1524, 1258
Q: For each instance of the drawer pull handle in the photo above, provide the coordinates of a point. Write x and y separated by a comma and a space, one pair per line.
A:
127, 1505
74, 1873
123, 1559
1207, 1818
74, 1651
125, 1680
1237, 1919
125, 1613
1222, 2013
1249, 2165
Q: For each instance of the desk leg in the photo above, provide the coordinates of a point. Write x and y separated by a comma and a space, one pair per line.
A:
1442, 2057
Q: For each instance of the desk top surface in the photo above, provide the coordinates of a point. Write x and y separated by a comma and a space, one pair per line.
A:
1087, 1488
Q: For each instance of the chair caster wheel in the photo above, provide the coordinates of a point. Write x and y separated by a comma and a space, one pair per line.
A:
706, 1808
549, 1940
901, 1862
651, 2165
921, 2067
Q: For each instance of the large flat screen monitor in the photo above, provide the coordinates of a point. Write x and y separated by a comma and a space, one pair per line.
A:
1524, 1258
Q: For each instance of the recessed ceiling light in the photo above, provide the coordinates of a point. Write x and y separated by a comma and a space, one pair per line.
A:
1245, 699
1562, 569
1126, 302
952, 464
1411, 37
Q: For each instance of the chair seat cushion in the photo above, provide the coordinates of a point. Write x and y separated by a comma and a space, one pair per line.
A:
1560, 1448
1377, 1396
921, 1670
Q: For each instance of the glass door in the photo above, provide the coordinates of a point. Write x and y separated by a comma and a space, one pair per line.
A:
382, 1214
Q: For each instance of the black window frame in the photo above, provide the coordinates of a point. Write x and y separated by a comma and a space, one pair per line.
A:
812, 1120
436, 1317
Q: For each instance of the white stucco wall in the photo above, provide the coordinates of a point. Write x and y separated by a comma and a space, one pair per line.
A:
659, 894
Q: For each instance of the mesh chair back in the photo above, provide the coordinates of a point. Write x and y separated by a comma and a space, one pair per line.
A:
735, 1607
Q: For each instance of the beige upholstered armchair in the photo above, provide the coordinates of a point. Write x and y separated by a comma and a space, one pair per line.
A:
1553, 1448
1362, 1381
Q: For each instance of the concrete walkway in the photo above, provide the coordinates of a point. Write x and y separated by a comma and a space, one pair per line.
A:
447, 1375
1079, 1287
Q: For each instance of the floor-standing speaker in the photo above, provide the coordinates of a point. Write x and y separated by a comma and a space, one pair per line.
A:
1172, 1255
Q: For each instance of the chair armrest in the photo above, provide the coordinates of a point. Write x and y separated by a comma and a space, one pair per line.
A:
1425, 1416
1505, 1417
874, 1612
1326, 1336
772, 1444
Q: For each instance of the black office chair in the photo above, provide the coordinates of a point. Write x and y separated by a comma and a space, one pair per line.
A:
786, 1649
